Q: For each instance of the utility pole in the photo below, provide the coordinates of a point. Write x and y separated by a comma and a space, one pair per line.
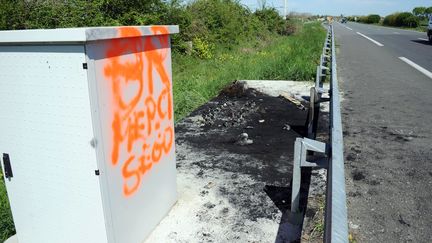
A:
285, 9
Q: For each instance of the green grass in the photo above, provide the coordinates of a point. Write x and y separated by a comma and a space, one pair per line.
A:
196, 81
292, 57
7, 228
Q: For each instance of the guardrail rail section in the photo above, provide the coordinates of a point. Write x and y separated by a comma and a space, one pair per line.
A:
336, 225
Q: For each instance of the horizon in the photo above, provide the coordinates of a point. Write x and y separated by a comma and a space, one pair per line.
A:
344, 7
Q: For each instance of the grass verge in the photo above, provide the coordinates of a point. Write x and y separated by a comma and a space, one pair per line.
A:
292, 57
196, 81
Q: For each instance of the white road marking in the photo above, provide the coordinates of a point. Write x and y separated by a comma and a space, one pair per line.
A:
424, 39
416, 66
374, 41
397, 33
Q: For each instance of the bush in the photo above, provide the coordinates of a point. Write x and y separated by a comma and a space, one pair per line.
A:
351, 18
202, 48
217, 22
271, 18
411, 22
219, 19
362, 19
402, 18
405, 19
370, 19
226, 23
289, 28
374, 19
390, 20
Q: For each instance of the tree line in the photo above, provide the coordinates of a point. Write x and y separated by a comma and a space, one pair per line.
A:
411, 19
204, 22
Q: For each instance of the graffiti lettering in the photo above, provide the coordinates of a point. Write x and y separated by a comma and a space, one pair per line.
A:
142, 126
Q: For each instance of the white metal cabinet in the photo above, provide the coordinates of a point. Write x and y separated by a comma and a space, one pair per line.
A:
87, 123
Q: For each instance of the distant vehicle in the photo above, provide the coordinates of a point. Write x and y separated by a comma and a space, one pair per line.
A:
344, 20
429, 31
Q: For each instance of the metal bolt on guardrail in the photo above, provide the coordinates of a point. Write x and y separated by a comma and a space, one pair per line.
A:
336, 225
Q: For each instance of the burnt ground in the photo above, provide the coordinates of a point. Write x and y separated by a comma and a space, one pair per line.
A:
234, 188
232, 113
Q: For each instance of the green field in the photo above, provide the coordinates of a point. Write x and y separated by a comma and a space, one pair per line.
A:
197, 80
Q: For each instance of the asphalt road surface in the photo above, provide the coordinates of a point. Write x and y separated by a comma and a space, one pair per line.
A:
386, 77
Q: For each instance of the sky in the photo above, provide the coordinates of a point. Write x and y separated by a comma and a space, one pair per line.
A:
345, 7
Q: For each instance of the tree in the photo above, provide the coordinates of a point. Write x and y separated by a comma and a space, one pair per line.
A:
428, 10
401, 17
373, 19
411, 21
419, 11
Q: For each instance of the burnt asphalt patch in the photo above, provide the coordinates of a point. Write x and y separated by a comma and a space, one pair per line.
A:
262, 117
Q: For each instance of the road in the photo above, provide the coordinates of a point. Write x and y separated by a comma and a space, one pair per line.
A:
386, 78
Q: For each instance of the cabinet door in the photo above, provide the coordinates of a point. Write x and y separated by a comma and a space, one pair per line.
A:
132, 97
46, 129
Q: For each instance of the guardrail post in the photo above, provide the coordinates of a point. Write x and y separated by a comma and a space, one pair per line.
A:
302, 147
296, 178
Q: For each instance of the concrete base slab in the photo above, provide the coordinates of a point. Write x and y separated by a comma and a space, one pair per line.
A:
275, 88
299, 90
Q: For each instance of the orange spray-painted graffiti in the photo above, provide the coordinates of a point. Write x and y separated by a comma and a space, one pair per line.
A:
142, 127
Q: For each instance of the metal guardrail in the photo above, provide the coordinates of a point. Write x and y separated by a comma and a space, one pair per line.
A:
336, 225
336, 210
